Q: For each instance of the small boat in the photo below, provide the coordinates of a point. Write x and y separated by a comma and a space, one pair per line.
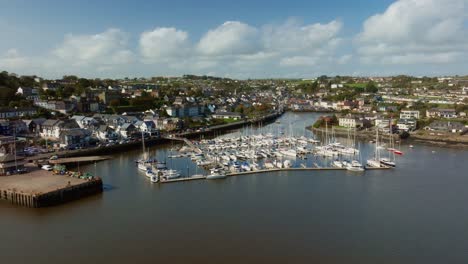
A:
171, 174
143, 166
387, 162
150, 173
396, 151
337, 164
355, 166
373, 163
215, 175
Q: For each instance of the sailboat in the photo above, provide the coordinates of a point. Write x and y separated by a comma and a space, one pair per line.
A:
143, 164
390, 160
375, 162
355, 165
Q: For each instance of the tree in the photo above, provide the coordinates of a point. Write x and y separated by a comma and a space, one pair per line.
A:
371, 87
114, 103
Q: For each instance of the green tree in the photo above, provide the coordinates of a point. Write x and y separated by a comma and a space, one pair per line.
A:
371, 87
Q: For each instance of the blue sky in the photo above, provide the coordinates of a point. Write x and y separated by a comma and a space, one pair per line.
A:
240, 39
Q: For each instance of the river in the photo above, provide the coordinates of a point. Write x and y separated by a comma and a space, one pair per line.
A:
416, 213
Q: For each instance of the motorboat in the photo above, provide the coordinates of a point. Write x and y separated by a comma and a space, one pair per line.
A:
216, 174
171, 174
337, 164
387, 162
143, 166
373, 163
355, 166
289, 152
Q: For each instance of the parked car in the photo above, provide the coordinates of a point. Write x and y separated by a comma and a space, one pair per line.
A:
54, 157
47, 167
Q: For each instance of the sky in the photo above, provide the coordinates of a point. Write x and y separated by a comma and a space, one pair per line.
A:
237, 39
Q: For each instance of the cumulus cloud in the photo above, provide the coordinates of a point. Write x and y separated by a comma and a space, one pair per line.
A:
296, 61
230, 38
13, 60
344, 59
109, 47
294, 37
236, 47
163, 43
415, 31
233, 48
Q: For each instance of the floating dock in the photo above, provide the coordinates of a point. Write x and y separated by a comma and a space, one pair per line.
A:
265, 171
40, 188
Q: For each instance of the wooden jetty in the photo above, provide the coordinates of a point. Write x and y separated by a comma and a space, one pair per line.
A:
266, 171
40, 188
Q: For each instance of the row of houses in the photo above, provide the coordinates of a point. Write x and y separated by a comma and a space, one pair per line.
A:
409, 124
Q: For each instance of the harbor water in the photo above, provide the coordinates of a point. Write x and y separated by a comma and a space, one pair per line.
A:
415, 213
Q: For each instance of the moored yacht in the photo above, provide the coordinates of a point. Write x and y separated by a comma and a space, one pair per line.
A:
337, 164
355, 166
387, 162
216, 174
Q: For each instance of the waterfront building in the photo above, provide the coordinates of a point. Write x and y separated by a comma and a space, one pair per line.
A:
406, 124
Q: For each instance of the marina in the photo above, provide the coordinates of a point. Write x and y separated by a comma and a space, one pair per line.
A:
264, 151
312, 207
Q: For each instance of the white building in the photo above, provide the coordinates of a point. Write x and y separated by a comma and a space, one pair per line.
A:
406, 125
409, 114
382, 123
348, 121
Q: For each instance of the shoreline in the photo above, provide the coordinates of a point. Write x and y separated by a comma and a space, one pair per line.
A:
413, 138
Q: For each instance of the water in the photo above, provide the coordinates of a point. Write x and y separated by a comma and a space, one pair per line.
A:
416, 213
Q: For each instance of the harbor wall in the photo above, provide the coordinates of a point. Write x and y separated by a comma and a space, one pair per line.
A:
56, 197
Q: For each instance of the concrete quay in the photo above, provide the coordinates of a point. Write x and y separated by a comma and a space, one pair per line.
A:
40, 188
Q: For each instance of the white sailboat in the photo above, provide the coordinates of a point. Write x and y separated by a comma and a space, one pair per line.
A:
375, 162
143, 164
390, 160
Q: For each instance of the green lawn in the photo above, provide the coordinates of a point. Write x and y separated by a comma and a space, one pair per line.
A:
356, 85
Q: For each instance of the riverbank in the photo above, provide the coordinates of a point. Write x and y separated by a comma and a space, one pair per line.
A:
445, 140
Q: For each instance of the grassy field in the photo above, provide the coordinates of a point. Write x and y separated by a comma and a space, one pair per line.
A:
357, 85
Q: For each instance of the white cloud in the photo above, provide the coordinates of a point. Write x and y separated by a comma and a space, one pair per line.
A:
162, 43
109, 47
230, 38
13, 60
415, 31
292, 37
344, 59
297, 61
